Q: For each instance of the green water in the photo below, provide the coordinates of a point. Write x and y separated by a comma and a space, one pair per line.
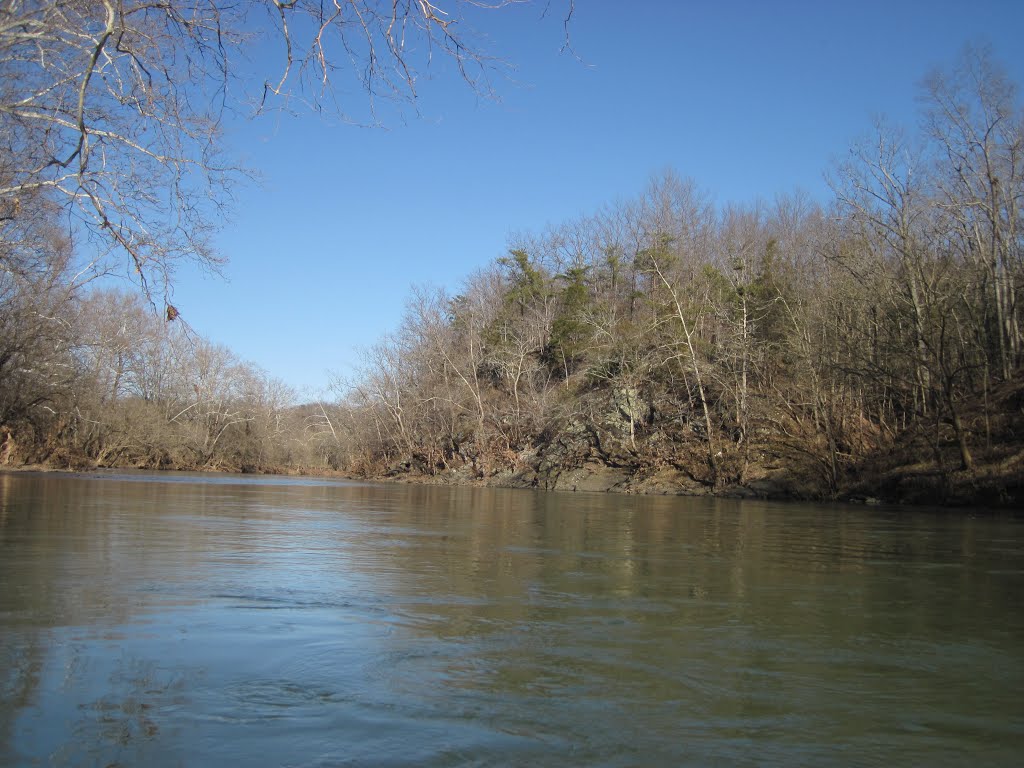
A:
180, 620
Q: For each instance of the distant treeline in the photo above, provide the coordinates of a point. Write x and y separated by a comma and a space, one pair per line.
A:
785, 346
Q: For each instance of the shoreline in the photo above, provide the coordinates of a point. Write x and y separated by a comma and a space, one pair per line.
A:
904, 487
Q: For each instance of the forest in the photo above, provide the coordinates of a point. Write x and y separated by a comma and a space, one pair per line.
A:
865, 347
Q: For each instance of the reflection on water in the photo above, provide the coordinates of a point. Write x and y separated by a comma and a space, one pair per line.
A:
186, 620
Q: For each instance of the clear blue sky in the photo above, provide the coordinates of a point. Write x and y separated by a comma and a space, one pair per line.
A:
747, 98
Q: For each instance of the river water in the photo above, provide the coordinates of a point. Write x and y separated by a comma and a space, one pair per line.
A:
181, 620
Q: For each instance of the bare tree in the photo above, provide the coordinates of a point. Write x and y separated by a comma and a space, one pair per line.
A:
741, 238
451, 329
113, 109
36, 340
975, 121
675, 223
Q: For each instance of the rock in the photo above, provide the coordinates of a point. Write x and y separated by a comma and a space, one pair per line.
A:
526, 478
767, 488
668, 482
630, 406
593, 478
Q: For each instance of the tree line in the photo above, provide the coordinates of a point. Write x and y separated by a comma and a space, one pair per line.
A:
727, 345
730, 342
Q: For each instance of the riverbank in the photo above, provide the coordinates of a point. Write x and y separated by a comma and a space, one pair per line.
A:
895, 477
996, 486
898, 476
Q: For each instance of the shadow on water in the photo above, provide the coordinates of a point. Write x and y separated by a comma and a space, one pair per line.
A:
188, 620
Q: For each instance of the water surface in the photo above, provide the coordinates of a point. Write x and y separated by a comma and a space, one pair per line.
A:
182, 620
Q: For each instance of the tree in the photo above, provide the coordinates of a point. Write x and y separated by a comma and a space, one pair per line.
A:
977, 126
740, 237
113, 109
883, 193
515, 343
676, 224
570, 332
36, 342
110, 421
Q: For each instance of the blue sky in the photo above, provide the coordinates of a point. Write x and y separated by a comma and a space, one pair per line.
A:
747, 98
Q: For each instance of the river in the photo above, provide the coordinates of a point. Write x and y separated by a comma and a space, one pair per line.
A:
187, 620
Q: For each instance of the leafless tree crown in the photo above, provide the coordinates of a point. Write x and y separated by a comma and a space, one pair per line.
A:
113, 109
